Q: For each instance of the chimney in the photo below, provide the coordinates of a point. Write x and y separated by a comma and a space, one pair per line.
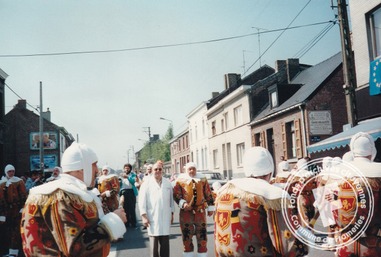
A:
280, 65
215, 94
46, 115
292, 68
231, 79
21, 104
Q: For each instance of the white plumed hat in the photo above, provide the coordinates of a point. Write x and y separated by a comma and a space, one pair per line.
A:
79, 157
362, 144
258, 161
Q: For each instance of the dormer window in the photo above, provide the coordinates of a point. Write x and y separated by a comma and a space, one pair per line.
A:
274, 98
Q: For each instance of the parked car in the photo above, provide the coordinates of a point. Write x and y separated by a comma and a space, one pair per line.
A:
212, 177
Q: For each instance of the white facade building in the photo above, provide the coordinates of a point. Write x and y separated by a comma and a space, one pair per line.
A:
229, 133
198, 137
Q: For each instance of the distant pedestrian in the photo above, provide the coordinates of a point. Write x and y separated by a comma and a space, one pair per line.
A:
55, 174
283, 165
108, 186
156, 207
129, 192
14, 194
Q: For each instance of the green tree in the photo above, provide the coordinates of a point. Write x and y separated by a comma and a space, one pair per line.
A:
159, 149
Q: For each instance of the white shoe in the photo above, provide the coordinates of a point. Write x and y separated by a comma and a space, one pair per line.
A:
187, 254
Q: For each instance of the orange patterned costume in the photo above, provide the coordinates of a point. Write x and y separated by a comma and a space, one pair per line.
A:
194, 191
248, 224
109, 184
63, 218
14, 195
356, 201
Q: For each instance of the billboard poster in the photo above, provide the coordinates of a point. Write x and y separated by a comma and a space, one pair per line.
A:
49, 140
50, 161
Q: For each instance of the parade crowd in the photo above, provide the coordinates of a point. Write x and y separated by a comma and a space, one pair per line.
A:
81, 211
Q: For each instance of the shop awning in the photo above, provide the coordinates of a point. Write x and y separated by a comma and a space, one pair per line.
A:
372, 127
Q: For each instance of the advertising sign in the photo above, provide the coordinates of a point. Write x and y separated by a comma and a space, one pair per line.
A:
50, 161
49, 140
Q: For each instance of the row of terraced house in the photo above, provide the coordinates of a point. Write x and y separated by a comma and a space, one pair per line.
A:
294, 110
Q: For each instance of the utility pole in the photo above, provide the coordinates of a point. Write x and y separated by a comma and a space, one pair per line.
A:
149, 141
348, 63
41, 132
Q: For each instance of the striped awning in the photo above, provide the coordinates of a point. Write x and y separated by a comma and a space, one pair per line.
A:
371, 126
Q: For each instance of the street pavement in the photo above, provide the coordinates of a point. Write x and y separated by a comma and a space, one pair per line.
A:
136, 242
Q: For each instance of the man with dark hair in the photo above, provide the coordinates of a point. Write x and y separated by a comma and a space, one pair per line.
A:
128, 193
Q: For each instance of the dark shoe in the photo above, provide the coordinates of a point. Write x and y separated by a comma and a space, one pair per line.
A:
144, 228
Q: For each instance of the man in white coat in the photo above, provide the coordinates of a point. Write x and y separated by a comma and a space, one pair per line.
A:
156, 207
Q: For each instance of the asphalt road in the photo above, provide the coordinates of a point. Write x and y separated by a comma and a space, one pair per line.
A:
136, 242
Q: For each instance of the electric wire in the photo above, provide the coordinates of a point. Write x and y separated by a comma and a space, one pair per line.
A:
14, 92
276, 39
160, 46
314, 41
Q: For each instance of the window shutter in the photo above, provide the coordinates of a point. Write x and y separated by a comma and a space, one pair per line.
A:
284, 140
263, 139
298, 139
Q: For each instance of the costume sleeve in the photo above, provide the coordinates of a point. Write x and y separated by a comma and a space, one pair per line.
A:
178, 194
208, 195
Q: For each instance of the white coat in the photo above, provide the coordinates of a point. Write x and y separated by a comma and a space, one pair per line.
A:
157, 202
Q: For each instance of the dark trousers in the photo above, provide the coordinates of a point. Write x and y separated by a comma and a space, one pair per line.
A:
159, 246
129, 206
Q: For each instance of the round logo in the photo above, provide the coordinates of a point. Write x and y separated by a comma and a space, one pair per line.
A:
327, 206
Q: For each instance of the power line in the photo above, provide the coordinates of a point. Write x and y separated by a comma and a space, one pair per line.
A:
276, 39
314, 41
34, 108
159, 46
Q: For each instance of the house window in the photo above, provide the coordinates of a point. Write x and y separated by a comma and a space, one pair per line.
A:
213, 128
226, 116
215, 159
257, 139
240, 152
375, 33
291, 140
238, 116
222, 125
274, 99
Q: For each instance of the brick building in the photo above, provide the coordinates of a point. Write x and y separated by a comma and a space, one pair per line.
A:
180, 151
365, 36
21, 140
292, 113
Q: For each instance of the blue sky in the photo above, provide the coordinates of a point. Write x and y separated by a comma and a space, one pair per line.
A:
108, 98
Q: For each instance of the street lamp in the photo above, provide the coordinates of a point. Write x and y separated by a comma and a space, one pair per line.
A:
166, 119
